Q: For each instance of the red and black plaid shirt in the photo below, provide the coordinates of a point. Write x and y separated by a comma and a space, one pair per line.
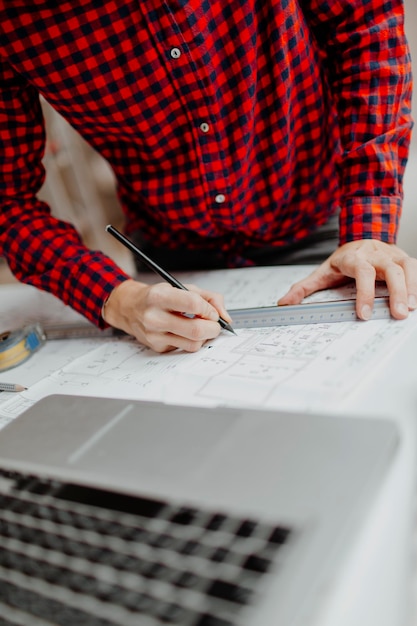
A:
228, 123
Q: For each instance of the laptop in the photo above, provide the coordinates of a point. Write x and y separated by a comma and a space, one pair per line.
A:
120, 512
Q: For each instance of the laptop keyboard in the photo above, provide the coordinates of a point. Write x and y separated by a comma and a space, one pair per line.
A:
77, 556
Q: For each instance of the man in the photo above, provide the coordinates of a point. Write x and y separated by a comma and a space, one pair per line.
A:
237, 131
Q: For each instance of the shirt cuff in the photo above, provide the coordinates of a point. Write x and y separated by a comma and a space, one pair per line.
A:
370, 218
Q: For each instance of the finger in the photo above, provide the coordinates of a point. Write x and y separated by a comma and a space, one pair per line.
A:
397, 289
191, 341
163, 297
194, 329
349, 261
196, 305
364, 275
323, 277
410, 271
165, 330
167, 343
187, 345
215, 299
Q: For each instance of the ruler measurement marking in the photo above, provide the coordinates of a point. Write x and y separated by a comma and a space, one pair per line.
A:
308, 313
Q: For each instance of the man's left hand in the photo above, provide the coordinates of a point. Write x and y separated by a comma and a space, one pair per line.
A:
365, 261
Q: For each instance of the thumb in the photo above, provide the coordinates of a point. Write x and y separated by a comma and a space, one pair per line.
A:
321, 278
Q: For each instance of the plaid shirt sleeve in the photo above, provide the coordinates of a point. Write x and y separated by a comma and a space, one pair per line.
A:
42, 250
242, 149
369, 66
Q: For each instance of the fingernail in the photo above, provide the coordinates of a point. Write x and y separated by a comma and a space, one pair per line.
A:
366, 312
402, 309
412, 302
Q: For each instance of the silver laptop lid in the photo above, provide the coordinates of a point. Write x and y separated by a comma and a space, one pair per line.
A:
317, 475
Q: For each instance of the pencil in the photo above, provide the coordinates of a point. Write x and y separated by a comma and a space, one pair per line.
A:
157, 268
11, 387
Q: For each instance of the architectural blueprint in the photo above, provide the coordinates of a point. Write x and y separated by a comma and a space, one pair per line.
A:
306, 367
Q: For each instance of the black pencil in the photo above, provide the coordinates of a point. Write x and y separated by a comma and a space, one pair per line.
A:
157, 268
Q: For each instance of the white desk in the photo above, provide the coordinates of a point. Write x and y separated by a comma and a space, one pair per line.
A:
374, 587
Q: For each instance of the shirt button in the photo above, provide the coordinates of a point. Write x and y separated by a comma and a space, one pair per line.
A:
204, 127
175, 53
220, 198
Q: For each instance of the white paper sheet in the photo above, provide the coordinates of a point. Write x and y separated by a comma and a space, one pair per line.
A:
307, 367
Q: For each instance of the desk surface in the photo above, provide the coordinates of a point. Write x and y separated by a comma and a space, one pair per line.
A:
350, 368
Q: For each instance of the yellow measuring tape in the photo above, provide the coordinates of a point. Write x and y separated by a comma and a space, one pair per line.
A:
17, 346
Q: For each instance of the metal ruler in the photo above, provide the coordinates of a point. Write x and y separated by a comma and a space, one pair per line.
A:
307, 313
258, 317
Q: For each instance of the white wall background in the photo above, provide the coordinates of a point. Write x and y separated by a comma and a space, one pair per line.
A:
408, 229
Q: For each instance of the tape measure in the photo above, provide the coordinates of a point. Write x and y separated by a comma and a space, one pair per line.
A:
307, 313
17, 346
78, 330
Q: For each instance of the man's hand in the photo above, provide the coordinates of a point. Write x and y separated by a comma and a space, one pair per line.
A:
163, 317
366, 261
